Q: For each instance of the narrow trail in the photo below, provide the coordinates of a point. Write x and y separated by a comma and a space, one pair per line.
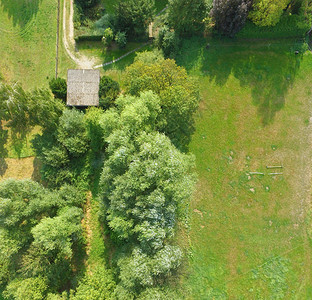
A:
87, 224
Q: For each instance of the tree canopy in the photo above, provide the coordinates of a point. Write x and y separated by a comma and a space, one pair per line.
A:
38, 230
144, 186
229, 16
267, 12
178, 93
186, 16
133, 16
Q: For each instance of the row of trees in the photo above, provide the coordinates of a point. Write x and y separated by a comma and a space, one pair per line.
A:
187, 17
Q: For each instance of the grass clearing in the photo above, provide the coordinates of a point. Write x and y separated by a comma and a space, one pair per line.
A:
248, 232
28, 42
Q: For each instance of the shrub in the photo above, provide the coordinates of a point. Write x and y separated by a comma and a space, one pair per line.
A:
59, 88
108, 92
108, 37
168, 41
121, 39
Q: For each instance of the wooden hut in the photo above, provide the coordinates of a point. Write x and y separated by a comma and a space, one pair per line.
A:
83, 87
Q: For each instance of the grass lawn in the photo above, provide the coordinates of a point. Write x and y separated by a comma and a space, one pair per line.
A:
28, 42
248, 233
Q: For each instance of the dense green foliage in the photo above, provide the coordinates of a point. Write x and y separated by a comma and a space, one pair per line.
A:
230, 16
38, 229
186, 16
267, 13
133, 16
178, 94
63, 151
86, 3
168, 41
121, 39
108, 91
58, 88
145, 185
108, 37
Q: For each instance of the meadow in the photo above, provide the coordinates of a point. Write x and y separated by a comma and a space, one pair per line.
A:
248, 233
28, 42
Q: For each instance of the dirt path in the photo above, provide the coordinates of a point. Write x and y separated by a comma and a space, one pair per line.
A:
82, 61
87, 224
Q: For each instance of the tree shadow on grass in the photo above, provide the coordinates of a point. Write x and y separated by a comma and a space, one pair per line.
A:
20, 11
267, 67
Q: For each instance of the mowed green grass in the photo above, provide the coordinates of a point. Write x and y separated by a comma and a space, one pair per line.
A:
248, 233
28, 42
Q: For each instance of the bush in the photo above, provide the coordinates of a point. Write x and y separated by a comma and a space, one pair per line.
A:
27, 289
108, 37
108, 92
59, 88
121, 39
87, 3
107, 21
133, 16
168, 41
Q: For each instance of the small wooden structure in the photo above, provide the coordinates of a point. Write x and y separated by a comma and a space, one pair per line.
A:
83, 87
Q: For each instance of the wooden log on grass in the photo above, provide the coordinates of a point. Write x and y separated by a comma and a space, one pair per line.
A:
275, 174
256, 173
274, 167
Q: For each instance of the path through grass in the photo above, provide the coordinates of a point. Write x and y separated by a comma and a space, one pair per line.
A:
248, 232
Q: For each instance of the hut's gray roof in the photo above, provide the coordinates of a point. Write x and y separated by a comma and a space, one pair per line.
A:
83, 87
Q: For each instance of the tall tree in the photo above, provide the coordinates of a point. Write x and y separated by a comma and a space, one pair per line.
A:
179, 95
267, 12
230, 16
145, 184
186, 16
133, 16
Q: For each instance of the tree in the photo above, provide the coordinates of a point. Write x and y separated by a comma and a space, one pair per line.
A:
168, 41
133, 16
86, 3
121, 39
108, 37
58, 88
38, 231
145, 179
230, 16
64, 150
27, 289
108, 91
267, 12
186, 16
15, 108
96, 285
72, 133
179, 95
141, 270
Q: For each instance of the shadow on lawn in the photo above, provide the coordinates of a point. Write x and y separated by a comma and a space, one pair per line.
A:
20, 11
267, 67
